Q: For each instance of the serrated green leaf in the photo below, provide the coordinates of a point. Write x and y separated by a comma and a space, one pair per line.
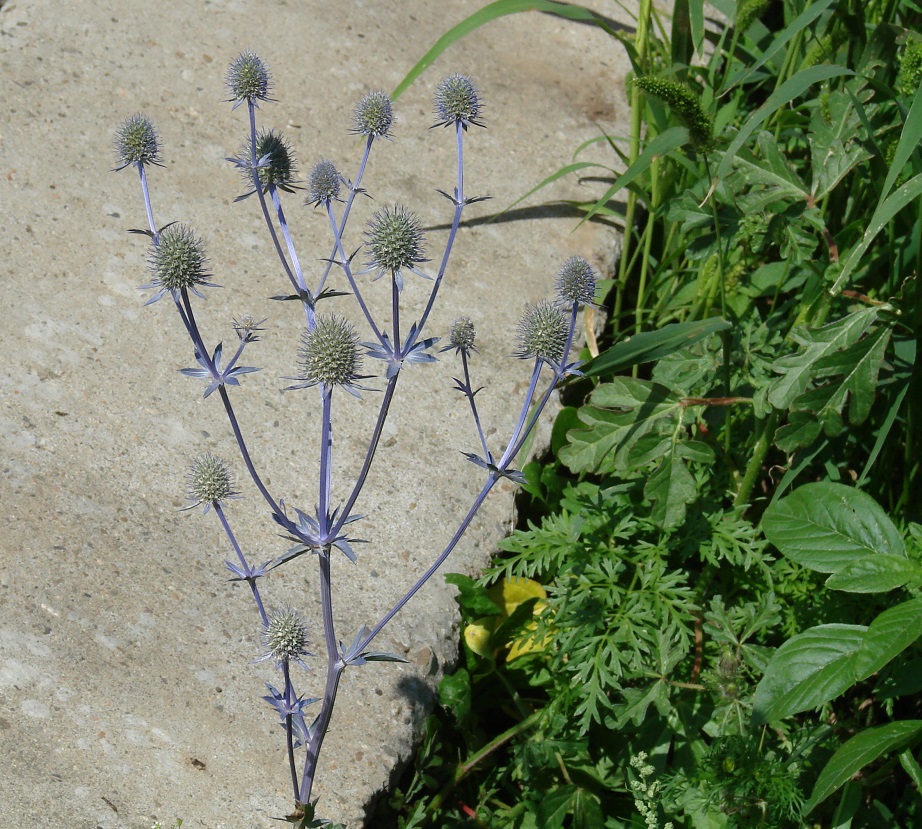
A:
796, 369
875, 574
809, 669
802, 429
621, 413
855, 370
784, 94
858, 752
889, 634
826, 526
771, 170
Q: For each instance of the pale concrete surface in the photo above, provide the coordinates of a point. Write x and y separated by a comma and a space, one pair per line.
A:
127, 689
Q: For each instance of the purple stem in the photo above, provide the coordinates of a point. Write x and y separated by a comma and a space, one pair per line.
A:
456, 221
353, 191
347, 269
335, 667
262, 198
246, 567
369, 455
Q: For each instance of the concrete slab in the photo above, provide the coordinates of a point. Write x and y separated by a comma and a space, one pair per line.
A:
127, 689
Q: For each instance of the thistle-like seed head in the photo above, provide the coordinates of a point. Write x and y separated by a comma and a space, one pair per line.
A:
137, 142
248, 79
329, 354
374, 115
461, 335
543, 333
457, 101
576, 282
278, 167
395, 240
286, 636
324, 184
178, 260
209, 480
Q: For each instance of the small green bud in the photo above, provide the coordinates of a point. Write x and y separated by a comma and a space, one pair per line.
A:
136, 142
461, 334
209, 480
329, 353
373, 115
278, 169
178, 259
324, 184
543, 333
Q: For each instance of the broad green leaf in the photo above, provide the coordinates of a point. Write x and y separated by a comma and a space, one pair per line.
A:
834, 148
885, 211
653, 345
671, 488
555, 806
875, 574
889, 634
494, 11
592, 449
858, 752
784, 94
455, 693
826, 527
801, 430
809, 669
797, 369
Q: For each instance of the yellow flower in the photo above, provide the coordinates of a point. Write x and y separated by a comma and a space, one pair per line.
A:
508, 595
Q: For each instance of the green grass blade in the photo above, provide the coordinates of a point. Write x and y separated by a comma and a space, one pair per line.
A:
500, 8
909, 140
563, 171
663, 144
784, 94
892, 205
652, 345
